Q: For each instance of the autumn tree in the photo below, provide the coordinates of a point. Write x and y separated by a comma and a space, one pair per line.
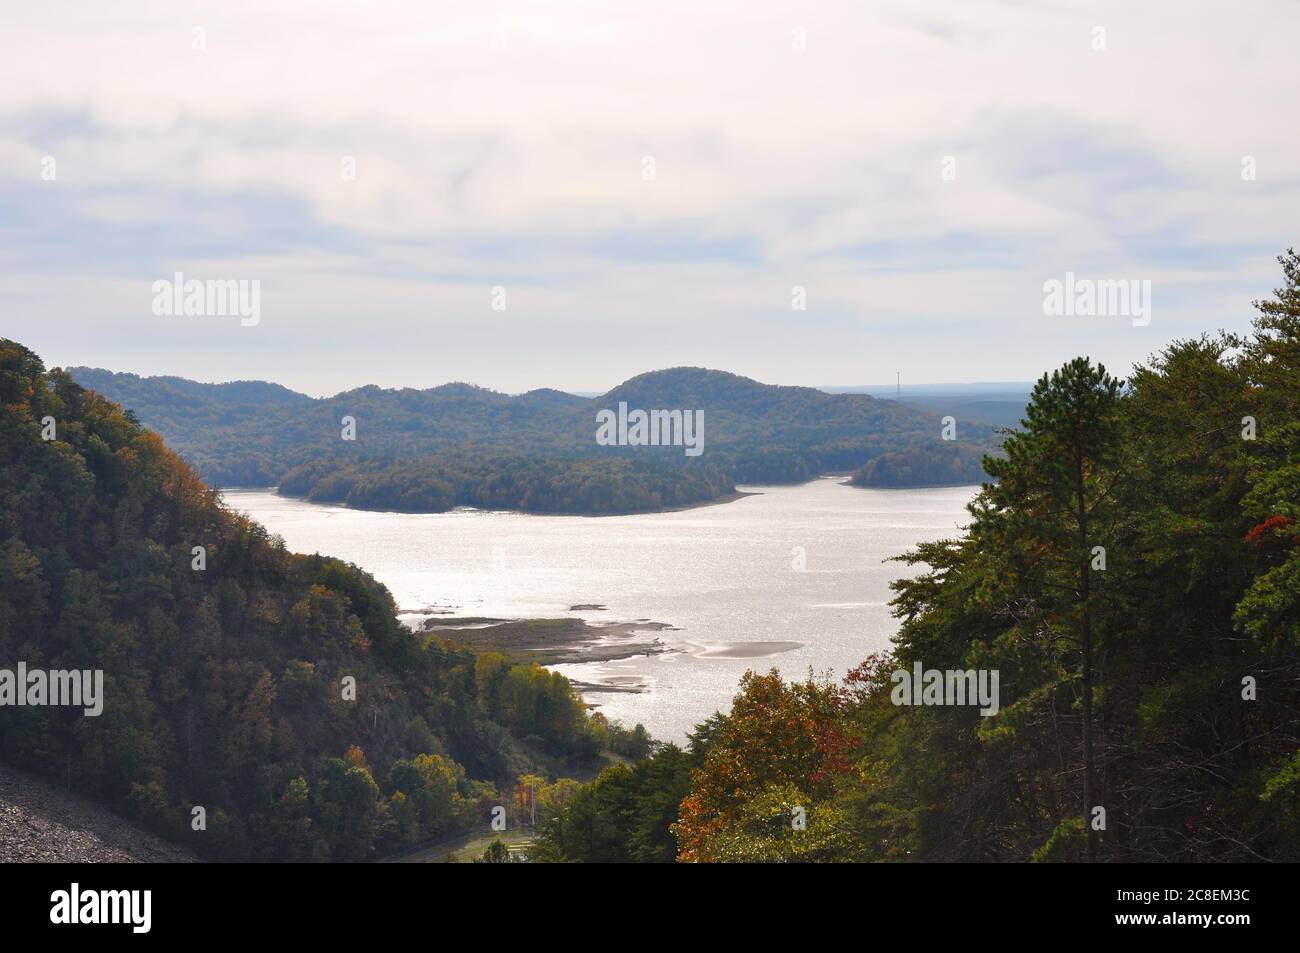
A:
785, 742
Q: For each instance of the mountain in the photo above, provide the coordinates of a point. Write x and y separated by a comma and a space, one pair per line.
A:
458, 444
155, 395
274, 697
555, 398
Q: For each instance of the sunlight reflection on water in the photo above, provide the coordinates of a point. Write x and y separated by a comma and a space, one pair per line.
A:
719, 575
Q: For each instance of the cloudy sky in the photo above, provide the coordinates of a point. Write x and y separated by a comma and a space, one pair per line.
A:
646, 181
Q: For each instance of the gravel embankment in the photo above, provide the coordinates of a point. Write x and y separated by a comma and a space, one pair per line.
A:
42, 823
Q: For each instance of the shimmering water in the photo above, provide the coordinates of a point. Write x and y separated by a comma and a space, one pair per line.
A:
792, 564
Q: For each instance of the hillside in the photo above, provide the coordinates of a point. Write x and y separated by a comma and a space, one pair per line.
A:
457, 444
277, 692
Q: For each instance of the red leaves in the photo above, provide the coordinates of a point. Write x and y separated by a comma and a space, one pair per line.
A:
1270, 529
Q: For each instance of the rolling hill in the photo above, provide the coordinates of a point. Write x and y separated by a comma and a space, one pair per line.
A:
458, 444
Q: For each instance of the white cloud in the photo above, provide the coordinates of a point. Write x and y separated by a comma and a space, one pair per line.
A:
503, 143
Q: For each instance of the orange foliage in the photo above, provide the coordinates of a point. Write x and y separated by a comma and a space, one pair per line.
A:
777, 733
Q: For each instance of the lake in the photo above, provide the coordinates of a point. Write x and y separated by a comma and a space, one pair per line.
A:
800, 568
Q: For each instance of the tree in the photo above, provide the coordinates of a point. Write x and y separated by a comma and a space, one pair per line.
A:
1055, 491
777, 735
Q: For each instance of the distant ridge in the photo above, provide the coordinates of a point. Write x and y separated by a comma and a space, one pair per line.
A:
461, 444
972, 389
233, 392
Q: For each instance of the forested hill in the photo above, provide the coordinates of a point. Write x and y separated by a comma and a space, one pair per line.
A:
457, 444
171, 400
229, 663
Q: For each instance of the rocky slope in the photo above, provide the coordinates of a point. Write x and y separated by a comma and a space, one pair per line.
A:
41, 823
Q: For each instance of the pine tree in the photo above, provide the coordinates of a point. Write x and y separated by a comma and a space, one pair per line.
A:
1055, 493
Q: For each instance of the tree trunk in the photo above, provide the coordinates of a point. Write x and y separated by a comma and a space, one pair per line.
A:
1089, 793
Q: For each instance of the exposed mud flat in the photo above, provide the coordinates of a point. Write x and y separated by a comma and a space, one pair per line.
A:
611, 685
566, 641
552, 641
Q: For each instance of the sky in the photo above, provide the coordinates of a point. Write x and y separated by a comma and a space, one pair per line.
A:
569, 193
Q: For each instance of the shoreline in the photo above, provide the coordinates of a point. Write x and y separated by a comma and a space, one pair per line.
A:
574, 641
922, 486
731, 497
680, 507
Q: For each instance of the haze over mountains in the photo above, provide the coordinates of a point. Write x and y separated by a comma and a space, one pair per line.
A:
458, 444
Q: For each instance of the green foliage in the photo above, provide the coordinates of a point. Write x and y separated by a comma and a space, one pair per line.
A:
931, 464
624, 815
1066, 843
540, 485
